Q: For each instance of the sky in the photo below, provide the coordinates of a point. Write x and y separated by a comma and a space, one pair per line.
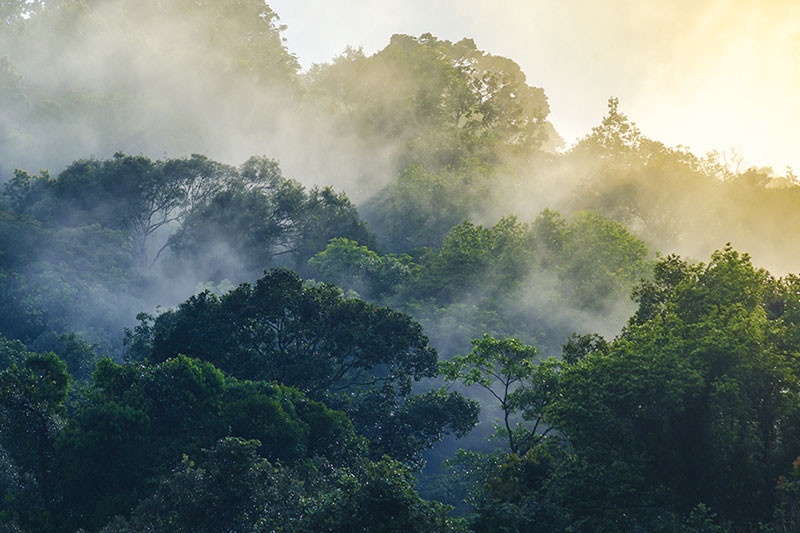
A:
706, 74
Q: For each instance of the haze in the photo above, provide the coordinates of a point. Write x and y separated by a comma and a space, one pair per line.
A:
707, 75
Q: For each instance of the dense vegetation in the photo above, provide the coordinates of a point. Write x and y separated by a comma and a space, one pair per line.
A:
190, 344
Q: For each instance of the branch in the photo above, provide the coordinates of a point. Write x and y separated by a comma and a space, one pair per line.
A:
499, 399
166, 244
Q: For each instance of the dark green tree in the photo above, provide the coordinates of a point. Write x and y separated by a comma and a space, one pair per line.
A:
32, 395
695, 403
229, 487
136, 423
345, 352
11, 353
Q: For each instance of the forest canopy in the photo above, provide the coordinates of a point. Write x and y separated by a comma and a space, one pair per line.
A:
379, 294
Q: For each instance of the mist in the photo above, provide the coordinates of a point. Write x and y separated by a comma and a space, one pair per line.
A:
169, 80
166, 80
180, 192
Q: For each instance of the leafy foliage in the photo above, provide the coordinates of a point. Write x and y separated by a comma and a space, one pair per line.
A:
509, 279
283, 404
32, 393
445, 102
230, 488
705, 383
264, 219
420, 207
346, 352
508, 370
348, 264
137, 422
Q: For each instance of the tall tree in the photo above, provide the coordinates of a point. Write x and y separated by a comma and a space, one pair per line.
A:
343, 351
703, 384
32, 395
443, 102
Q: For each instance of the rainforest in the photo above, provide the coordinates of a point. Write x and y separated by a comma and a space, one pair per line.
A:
378, 293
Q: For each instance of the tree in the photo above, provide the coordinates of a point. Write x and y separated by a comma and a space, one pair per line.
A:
237, 232
351, 266
647, 186
55, 282
497, 259
11, 353
32, 394
702, 384
441, 102
405, 427
787, 511
579, 346
615, 136
509, 492
307, 337
602, 260
248, 31
136, 423
378, 496
508, 370
328, 215
133, 194
230, 488
630, 417
420, 206
262, 219
227, 487
342, 351
129, 193
79, 356
12, 11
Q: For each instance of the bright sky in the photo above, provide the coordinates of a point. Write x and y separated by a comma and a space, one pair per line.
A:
702, 73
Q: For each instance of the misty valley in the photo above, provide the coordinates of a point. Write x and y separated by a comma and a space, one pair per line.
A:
377, 294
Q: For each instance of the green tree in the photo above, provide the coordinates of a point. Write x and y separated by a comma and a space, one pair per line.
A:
496, 259
345, 352
378, 496
307, 337
133, 194
32, 395
510, 372
128, 193
11, 353
405, 427
263, 219
703, 386
328, 215
442, 102
229, 487
136, 422
351, 266
509, 492
419, 207
650, 188
57, 281
602, 260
